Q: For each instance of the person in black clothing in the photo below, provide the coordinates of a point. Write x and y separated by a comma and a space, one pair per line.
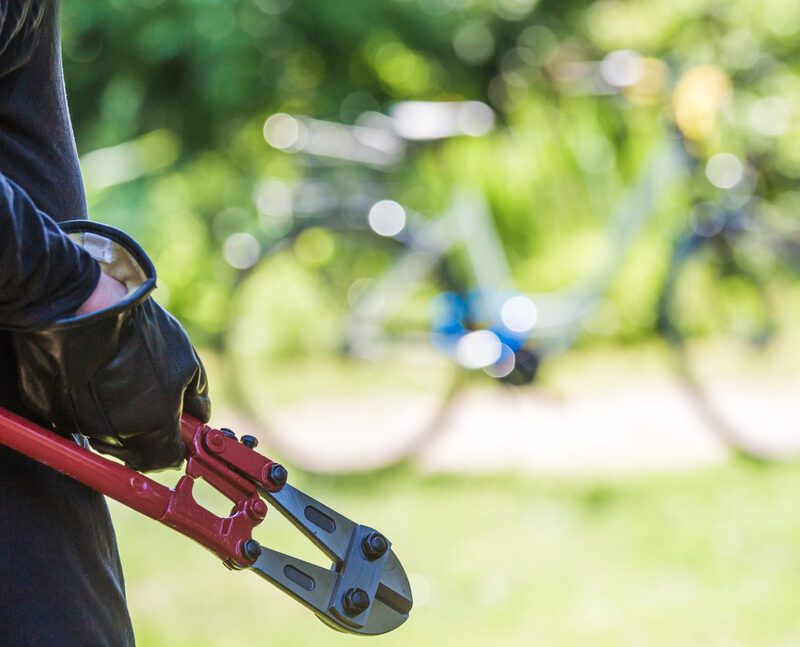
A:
83, 349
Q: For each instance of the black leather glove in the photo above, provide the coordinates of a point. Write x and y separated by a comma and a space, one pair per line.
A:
120, 376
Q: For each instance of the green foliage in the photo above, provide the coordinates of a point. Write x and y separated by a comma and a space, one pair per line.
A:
174, 95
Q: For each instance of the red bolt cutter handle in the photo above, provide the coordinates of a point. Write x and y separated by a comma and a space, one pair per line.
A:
228, 466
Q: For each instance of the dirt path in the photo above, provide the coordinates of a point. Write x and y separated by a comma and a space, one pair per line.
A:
636, 423
631, 427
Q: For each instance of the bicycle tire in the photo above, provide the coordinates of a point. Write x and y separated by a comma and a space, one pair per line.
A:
727, 311
325, 407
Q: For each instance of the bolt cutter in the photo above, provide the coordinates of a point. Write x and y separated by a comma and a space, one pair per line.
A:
366, 590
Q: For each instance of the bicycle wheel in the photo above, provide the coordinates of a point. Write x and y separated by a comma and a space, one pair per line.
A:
730, 309
333, 393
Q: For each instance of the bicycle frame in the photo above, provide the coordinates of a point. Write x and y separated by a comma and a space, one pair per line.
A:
467, 225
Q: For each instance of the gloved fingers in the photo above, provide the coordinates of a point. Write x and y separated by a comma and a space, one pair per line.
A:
195, 399
146, 453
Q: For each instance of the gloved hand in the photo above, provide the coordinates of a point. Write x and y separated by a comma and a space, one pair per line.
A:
120, 376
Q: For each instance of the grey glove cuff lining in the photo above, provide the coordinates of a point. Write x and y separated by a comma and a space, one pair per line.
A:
114, 259
130, 266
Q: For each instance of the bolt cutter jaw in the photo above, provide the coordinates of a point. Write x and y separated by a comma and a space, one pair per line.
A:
319, 590
362, 562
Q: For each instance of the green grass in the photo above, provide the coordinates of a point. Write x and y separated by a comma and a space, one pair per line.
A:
709, 557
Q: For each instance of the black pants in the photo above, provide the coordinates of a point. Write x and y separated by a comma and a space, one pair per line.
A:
60, 577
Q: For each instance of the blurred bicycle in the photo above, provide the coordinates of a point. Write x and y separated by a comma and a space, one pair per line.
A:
369, 384
432, 300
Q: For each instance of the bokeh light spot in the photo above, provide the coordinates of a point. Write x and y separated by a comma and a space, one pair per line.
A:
402, 69
282, 131
429, 120
519, 313
473, 42
478, 349
504, 365
622, 68
387, 218
700, 94
241, 250
724, 170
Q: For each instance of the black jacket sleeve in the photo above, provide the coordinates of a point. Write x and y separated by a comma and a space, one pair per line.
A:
19, 22
43, 274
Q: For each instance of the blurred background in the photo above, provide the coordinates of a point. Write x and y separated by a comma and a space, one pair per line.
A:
513, 281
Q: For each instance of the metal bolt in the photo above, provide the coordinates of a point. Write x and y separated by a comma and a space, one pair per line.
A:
355, 601
251, 549
256, 510
249, 441
374, 545
277, 474
229, 433
214, 442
